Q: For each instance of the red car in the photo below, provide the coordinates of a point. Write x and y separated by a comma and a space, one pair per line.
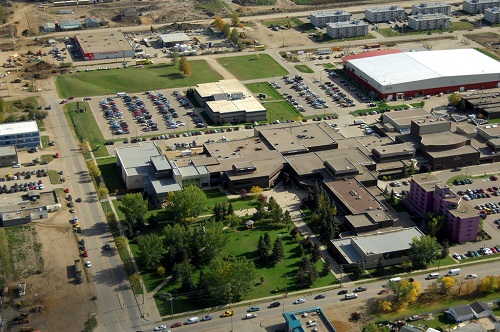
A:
56, 155
493, 250
85, 254
71, 98
176, 324
66, 190
383, 291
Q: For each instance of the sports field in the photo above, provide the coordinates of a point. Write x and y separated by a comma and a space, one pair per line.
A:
251, 67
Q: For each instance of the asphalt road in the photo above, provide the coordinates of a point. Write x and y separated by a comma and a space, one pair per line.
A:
117, 309
271, 319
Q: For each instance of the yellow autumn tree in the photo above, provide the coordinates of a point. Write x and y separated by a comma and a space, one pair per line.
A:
256, 190
219, 23
489, 284
447, 284
385, 306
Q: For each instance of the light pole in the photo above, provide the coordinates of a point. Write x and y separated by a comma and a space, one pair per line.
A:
170, 298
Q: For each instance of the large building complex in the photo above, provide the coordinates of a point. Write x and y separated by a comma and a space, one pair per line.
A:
320, 19
104, 45
431, 8
478, 6
428, 194
421, 22
385, 13
229, 101
348, 29
391, 73
492, 15
22, 135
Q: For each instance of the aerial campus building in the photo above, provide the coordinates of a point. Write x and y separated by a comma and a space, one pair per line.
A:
478, 6
431, 8
321, 19
492, 15
229, 101
347, 29
392, 74
22, 135
103, 45
420, 22
384, 13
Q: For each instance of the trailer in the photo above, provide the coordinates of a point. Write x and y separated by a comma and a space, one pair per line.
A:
22, 289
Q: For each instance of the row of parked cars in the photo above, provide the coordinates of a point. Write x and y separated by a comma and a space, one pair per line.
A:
470, 194
140, 113
476, 253
22, 187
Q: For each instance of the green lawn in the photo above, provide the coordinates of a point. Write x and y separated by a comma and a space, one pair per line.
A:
329, 65
251, 67
150, 278
394, 32
461, 177
47, 157
54, 177
266, 88
45, 140
281, 110
276, 278
85, 126
111, 174
133, 79
304, 69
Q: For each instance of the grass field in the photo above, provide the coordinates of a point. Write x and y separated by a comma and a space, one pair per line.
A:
461, 177
281, 110
243, 243
133, 79
329, 65
266, 88
54, 176
304, 69
45, 140
86, 128
394, 32
251, 67
110, 174
47, 157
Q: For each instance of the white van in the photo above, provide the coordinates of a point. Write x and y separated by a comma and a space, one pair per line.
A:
454, 272
351, 296
434, 275
396, 279
192, 320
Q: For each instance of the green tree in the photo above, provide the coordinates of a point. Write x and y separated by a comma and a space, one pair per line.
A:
307, 273
326, 269
102, 192
134, 207
424, 251
182, 63
230, 209
151, 250
380, 266
235, 19
446, 249
160, 271
260, 211
287, 219
233, 220
121, 243
213, 240
226, 30
186, 205
175, 58
454, 98
359, 270
176, 239
278, 252
323, 216
433, 223
274, 210
234, 36
315, 253
264, 248
404, 290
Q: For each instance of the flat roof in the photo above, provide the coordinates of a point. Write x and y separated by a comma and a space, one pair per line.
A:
481, 1
102, 42
428, 17
467, 149
426, 181
297, 138
397, 240
491, 130
330, 13
174, 37
406, 116
206, 90
249, 104
395, 148
431, 4
346, 24
7, 150
354, 196
384, 8
371, 54
407, 67
359, 220
164, 185
444, 138
135, 159
16, 128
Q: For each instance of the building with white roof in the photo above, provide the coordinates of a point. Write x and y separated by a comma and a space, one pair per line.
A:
384, 13
492, 15
421, 22
100, 45
348, 29
431, 8
170, 39
478, 6
22, 135
395, 73
320, 19
229, 101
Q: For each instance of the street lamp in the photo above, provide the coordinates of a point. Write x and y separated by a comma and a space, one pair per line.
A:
170, 298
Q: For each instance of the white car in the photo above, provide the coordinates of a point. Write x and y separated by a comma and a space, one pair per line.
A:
471, 276
160, 328
457, 256
88, 264
17, 166
299, 301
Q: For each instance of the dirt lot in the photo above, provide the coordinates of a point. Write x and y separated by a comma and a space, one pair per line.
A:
342, 313
491, 41
43, 255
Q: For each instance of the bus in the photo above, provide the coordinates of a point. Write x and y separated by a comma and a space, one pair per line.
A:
259, 47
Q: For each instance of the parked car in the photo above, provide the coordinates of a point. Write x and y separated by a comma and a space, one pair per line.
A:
359, 289
299, 301
254, 308
227, 313
274, 304
206, 317
342, 292
319, 296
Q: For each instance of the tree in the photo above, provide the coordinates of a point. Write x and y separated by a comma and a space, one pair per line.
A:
380, 266
213, 240
256, 190
234, 36
386, 191
405, 171
235, 19
160, 271
359, 270
260, 211
323, 215
489, 284
404, 290
230, 209
134, 207
151, 250
175, 58
233, 220
384, 306
433, 223
219, 23
226, 30
186, 205
274, 210
135, 280
278, 252
243, 193
176, 239
264, 248
102, 192
307, 273
287, 219
121, 243
454, 98
446, 249
325, 269
182, 63
315, 253
187, 69
447, 284
424, 251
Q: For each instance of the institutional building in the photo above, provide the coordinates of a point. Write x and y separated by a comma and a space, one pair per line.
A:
478, 6
8, 156
384, 14
492, 15
421, 22
229, 101
23, 135
171, 39
104, 45
431, 8
320, 19
348, 29
393, 74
